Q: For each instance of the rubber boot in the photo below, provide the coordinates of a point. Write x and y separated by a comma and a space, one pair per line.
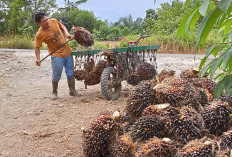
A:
71, 85
54, 92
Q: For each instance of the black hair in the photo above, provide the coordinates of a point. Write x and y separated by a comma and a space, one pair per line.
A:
39, 16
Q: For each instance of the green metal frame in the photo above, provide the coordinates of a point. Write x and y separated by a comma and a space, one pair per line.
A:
118, 50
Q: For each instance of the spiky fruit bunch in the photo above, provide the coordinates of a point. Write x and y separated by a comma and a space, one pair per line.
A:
183, 124
83, 36
99, 136
123, 147
155, 109
164, 74
133, 79
226, 140
223, 153
79, 74
146, 71
89, 66
210, 86
200, 148
156, 147
92, 78
147, 127
100, 66
189, 73
180, 93
141, 97
216, 116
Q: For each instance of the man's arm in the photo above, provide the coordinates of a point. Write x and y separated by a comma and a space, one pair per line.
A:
37, 55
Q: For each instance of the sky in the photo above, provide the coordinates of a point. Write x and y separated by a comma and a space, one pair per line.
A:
114, 9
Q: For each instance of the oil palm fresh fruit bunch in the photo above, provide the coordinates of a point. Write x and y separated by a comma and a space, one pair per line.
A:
83, 36
183, 124
216, 116
200, 148
147, 127
141, 97
156, 147
99, 136
123, 146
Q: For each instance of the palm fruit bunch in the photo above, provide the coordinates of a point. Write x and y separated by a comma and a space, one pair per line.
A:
189, 73
92, 78
164, 74
79, 74
147, 127
200, 148
123, 146
155, 109
226, 140
83, 36
183, 124
124, 120
210, 86
89, 66
98, 138
100, 66
156, 147
223, 153
216, 116
146, 71
179, 93
141, 97
133, 79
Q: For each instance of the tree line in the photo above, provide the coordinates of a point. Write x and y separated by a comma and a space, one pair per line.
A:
17, 18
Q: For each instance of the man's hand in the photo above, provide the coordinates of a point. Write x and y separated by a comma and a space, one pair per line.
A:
38, 63
70, 37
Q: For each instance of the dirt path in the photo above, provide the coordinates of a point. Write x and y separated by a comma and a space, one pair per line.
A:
31, 124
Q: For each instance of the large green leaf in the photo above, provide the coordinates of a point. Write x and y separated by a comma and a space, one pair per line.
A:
204, 7
206, 26
224, 5
181, 30
192, 20
225, 83
214, 66
210, 50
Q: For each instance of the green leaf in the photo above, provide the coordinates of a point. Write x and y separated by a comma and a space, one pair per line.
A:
206, 26
204, 7
219, 88
210, 50
192, 20
224, 5
228, 26
204, 70
182, 27
226, 57
214, 66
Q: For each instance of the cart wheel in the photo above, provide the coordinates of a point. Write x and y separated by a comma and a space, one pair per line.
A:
110, 90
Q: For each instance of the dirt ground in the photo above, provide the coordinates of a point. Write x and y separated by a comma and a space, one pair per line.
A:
31, 124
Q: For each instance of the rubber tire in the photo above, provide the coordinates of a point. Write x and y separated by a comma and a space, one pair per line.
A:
104, 85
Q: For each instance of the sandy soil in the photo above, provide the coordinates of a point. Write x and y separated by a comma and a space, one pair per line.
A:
31, 124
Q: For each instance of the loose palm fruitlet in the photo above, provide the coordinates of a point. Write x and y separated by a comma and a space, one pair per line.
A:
226, 140
123, 147
183, 124
200, 148
156, 147
83, 36
147, 127
146, 71
98, 138
216, 116
141, 97
180, 93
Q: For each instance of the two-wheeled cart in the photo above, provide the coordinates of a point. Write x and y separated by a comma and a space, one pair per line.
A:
113, 66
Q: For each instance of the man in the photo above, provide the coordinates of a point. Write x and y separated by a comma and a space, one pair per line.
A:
54, 34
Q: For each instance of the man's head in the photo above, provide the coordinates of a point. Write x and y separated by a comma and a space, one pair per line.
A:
42, 20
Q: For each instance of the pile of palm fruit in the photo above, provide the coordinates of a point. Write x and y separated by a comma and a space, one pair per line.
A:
165, 117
